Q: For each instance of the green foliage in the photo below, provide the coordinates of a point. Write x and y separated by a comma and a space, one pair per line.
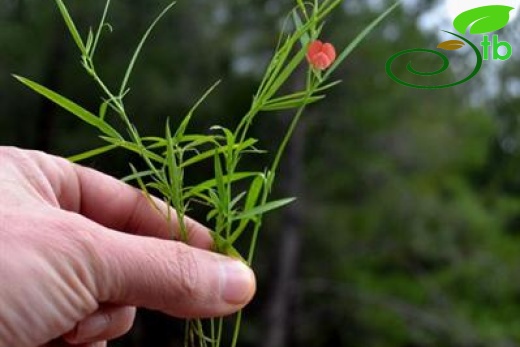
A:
411, 200
165, 170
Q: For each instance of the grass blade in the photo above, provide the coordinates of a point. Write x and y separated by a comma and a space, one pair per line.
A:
71, 26
91, 153
206, 185
305, 38
290, 104
130, 146
71, 106
252, 197
264, 208
137, 175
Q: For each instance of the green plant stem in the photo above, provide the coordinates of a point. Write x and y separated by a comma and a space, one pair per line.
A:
220, 329
274, 168
92, 51
236, 331
169, 178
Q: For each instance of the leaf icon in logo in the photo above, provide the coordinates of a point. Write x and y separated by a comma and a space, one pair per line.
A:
451, 45
483, 19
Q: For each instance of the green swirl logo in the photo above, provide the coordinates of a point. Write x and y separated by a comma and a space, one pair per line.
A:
444, 67
480, 20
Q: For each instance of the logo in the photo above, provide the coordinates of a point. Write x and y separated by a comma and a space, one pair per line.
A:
480, 21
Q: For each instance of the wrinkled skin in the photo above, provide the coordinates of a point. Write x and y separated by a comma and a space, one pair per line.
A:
80, 250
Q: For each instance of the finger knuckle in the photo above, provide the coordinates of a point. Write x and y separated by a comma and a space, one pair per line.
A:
187, 270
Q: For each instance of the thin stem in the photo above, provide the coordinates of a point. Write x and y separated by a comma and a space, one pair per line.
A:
292, 127
170, 177
212, 331
310, 90
236, 331
200, 331
98, 32
187, 333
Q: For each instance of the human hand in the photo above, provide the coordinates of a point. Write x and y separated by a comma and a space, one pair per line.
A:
79, 250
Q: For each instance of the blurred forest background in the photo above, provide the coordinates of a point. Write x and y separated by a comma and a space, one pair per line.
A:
406, 232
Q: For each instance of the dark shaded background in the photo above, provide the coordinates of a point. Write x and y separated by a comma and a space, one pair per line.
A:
406, 230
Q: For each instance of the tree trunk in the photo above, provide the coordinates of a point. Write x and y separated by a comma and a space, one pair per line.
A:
282, 300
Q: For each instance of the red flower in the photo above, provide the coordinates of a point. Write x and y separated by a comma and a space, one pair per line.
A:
321, 55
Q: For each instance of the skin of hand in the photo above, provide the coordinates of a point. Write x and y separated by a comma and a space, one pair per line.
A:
79, 250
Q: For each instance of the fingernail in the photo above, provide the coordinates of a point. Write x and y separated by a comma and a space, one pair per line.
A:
92, 327
238, 284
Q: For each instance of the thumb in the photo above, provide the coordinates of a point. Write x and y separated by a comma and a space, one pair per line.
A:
170, 276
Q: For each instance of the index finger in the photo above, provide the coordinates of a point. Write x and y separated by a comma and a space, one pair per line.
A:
118, 205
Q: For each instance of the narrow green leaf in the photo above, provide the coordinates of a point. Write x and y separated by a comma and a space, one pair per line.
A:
236, 200
209, 184
196, 143
199, 157
302, 94
155, 142
301, 4
175, 174
71, 26
193, 139
91, 153
290, 104
275, 66
305, 38
211, 214
153, 139
252, 197
90, 40
134, 148
209, 153
286, 72
327, 86
254, 192
230, 140
198, 138
214, 200
259, 210
103, 109
241, 147
292, 96
136, 175
267, 88
219, 178
70, 106
162, 188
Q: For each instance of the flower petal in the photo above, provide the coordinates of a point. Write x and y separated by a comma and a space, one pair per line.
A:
314, 48
329, 50
321, 61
